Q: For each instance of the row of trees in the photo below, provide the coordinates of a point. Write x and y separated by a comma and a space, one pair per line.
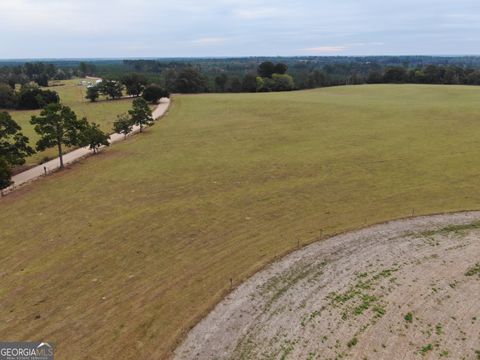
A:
38, 72
140, 115
133, 84
58, 127
268, 77
240, 75
430, 74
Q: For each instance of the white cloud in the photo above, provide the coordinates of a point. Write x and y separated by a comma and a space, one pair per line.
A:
336, 49
325, 49
118, 28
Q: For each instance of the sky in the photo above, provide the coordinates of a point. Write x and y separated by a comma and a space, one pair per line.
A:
217, 28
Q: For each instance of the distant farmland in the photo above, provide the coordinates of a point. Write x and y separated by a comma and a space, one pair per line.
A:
119, 256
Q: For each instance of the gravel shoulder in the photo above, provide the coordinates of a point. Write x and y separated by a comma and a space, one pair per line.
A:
406, 289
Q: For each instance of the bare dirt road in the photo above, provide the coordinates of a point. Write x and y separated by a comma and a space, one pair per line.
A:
75, 155
407, 289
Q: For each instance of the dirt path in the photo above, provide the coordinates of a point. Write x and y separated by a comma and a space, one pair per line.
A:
407, 289
75, 155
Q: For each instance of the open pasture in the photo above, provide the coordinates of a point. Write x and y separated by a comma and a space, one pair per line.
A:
134, 246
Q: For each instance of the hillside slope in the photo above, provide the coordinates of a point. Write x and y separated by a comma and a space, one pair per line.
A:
120, 255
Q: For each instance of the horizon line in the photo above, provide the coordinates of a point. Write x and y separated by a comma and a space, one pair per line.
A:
231, 57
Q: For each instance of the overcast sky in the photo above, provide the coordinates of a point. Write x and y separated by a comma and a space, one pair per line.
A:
178, 28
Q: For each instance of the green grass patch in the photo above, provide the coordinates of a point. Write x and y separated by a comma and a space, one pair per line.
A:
425, 349
453, 228
352, 342
474, 270
408, 317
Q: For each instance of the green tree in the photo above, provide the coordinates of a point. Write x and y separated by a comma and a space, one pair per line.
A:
111, 88
141, 114
280, 69
8, 99
93, 93
32, 97
265, 84
153, 93
221, 81
86, 69
123, 125
94, 137
282, 82
249, 83
260, 84
317, 78
134, 83
5, 174
170, 80
235, 85
14, 146
374, 77
266, 69
395, 74
189, 80
42, 80
83, 68
58, 126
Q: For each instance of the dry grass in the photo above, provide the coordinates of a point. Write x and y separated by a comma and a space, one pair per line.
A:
122, 254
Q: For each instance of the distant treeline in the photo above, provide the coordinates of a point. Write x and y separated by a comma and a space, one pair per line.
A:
242, 74
188, 75
234, 75
37, 72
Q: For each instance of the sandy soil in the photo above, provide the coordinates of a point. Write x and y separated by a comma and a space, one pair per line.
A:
407, 289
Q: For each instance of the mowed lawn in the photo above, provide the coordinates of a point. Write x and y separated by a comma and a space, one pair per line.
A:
101, 112
120, 255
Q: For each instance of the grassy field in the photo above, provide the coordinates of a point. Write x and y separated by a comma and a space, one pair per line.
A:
73, 95
119, 256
